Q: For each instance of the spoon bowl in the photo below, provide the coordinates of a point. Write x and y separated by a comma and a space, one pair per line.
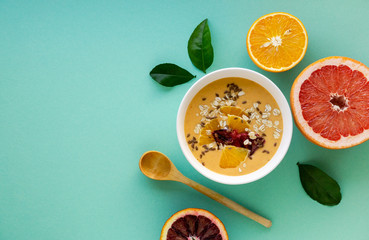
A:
155, 165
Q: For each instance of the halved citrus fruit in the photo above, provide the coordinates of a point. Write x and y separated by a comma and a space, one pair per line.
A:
277, 42
330, 102
230, 110
193, 224
237, 123
232, 156
206, 135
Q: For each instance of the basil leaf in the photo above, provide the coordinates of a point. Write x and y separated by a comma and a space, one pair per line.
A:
319, 186
169, 75
199, 47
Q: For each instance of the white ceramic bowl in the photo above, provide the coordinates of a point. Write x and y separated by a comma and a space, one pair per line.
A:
286, 116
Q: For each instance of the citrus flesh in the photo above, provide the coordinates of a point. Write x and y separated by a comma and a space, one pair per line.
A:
277, 42
231, 110
193, 224
231, 139
232, 156
330, 102
234, 139
206, 136
237, 123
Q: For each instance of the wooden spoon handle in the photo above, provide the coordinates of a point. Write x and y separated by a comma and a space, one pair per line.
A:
227, 202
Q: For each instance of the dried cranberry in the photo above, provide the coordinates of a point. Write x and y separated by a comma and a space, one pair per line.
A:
232, 137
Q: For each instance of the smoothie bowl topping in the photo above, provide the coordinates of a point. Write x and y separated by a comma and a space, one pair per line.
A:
233, 126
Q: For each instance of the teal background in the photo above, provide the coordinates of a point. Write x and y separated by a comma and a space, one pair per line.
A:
78, 109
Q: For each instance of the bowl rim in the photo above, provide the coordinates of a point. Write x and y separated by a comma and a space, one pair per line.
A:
283, 106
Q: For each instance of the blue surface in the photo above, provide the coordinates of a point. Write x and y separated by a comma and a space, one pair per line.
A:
78, 108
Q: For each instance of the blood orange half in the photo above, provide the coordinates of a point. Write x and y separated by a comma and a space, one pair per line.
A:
193, 224
330, 102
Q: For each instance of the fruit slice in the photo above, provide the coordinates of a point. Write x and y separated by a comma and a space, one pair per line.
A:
230, 110
330, 102
277, 42
232, 156
206, 135
237, 123
193, 224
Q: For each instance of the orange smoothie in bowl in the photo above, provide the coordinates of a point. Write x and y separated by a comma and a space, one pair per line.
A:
234, 126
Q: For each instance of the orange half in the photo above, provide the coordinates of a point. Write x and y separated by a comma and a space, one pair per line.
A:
193, 223
277, 42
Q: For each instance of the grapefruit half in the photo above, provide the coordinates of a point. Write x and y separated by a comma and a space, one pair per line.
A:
330, 102
193, 224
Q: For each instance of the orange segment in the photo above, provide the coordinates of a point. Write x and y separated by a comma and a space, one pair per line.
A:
237, 123
230, 110
232, 156
206, 135
277, 42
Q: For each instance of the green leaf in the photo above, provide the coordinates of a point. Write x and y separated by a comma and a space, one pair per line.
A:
319, 186
199, 47
169, 75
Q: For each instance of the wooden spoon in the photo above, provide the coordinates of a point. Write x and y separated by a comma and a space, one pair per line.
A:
157, 166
